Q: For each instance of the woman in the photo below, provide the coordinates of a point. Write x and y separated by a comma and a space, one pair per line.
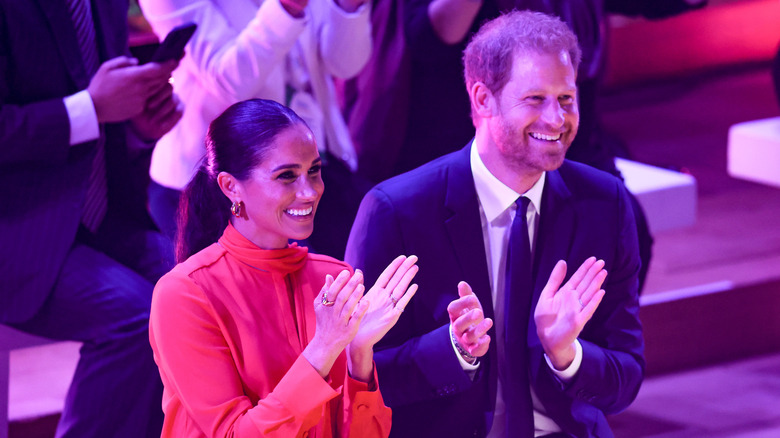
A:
241, 349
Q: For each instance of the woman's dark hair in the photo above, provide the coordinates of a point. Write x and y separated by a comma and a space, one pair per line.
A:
237, 142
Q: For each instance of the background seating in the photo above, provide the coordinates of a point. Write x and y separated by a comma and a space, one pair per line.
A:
754, 151
42, 370
667, 197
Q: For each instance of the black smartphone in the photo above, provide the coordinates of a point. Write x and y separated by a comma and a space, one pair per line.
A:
172, 46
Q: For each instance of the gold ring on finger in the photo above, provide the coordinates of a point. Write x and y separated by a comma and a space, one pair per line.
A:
325, 301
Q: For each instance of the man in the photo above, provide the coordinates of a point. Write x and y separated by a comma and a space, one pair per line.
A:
559, 358
79, 253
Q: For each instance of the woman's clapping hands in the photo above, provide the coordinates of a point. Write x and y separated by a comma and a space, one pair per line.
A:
387, 300
346, 318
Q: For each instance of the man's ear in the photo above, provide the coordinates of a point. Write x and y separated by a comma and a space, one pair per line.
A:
229, 186
483, 103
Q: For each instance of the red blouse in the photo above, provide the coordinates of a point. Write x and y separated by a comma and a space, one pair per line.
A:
228, 327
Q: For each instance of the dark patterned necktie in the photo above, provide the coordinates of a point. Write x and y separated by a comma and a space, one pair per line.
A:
517, 310
96, 202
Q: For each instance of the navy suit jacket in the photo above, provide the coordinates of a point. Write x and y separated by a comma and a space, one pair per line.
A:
43, 179
433, 212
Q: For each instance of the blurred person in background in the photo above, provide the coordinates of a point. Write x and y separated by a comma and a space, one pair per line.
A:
78, 118
283, 50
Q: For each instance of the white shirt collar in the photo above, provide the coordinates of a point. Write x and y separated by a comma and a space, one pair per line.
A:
495, 196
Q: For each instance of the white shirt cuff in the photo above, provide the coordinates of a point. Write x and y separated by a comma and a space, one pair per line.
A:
465, 365
82, 116
569, 372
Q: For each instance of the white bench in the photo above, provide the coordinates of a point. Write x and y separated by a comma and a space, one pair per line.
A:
668, 198
11, 339
754, 151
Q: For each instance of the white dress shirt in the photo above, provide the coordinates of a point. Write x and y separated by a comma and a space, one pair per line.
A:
497, 210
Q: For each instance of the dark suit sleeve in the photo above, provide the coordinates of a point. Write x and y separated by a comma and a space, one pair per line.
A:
412, 366
613, 364
34, 132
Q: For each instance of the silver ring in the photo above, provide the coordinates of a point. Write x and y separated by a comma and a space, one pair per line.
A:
325, 301
395, 301
580, 300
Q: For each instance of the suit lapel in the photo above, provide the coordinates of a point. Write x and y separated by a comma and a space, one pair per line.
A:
58, 16
464, 228
556, 229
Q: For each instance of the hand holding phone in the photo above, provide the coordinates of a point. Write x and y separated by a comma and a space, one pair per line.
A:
172, 46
